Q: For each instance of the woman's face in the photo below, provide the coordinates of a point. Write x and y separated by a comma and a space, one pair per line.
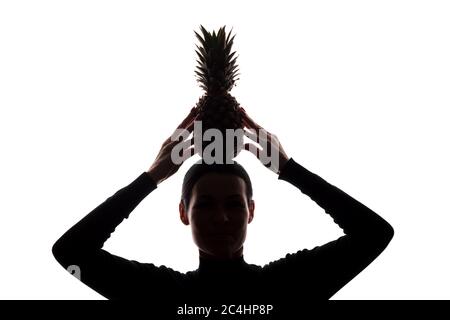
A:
218, 214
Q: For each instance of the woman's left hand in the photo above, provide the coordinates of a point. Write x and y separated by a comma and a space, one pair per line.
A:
272, 154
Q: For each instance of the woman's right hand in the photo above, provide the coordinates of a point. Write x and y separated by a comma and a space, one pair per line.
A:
164, 165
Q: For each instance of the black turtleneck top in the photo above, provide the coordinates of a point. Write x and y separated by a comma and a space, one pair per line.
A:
307, 274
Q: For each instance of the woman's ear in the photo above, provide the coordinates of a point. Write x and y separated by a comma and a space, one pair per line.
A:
251, 210
183, 213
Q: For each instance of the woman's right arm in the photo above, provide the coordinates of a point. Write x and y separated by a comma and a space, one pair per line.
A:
80, 248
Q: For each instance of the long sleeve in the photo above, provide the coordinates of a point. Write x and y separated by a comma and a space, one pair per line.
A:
322, 271
81, 246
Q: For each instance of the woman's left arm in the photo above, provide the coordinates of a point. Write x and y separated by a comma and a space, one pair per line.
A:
322, 271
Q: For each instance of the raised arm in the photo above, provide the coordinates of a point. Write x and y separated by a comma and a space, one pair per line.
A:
329, 267
80, 248
319, 273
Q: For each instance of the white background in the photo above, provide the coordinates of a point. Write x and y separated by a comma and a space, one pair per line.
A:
356, 91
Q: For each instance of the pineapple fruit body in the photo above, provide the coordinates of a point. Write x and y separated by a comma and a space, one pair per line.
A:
216, 72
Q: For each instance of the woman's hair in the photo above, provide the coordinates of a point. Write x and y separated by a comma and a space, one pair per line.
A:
199, 169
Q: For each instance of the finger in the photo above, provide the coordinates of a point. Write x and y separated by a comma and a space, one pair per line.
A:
188, 153
197, 148
253, 149
188, 144
180, 151
178, 136
182, 137
182, 132
247, 124
252, 134
259, 137
167, 141
257, 128
190, 117
190, 126
186, 123
192, 113
257, 152
250, 121
252, 125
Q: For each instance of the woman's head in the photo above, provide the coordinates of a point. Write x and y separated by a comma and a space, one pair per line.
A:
217, 202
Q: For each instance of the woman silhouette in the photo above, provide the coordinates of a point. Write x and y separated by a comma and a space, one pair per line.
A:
217, 203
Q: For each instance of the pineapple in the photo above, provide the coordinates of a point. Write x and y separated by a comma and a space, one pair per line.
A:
216, 73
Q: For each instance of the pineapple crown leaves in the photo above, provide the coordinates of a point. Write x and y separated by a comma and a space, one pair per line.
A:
217, 69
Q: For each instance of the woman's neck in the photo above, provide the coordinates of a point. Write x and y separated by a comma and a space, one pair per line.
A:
225, 257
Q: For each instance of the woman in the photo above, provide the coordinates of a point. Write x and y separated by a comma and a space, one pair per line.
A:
217, 203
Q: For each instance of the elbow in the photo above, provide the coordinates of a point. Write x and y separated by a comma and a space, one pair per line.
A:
385, 235
57, 251
389, 232
66, 253
62, 253
386, 231
378, 235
